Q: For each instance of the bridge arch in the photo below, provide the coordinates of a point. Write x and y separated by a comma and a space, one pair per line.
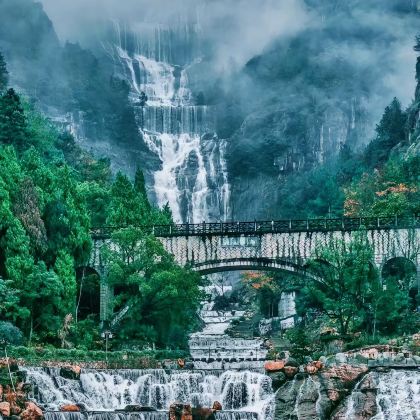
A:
404, 271
251, 264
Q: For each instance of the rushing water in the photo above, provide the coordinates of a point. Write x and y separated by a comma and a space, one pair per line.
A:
112, 390
397, 396
193, 173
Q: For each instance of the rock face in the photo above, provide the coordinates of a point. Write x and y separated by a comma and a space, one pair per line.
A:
71, 372
315, 394
362, 404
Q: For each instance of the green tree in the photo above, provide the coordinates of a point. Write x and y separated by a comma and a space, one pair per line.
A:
389, 132
163, 297
64, 268
13, 128
345, 281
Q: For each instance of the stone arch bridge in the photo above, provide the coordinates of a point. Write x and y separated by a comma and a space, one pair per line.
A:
284, 245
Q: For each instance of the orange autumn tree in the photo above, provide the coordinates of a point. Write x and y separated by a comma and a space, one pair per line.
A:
393, 190
266, 289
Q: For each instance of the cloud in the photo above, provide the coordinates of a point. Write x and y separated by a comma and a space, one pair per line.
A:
236, 29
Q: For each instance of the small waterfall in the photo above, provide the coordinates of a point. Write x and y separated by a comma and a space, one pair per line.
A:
287, 309
398, 395
105, 416
193, 173
99, 391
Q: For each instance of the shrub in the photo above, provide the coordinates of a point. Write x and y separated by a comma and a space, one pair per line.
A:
10, 334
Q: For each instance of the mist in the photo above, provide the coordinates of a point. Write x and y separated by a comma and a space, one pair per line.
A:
238, 30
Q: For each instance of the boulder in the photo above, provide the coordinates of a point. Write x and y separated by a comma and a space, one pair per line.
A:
290, 371
32, 412
274, 366
277, 379
71, 372
217, 406
181, 363
311, 369
70, 408
202, 414
5, 409
180, 412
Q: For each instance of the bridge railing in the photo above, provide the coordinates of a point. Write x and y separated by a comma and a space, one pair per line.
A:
278, 226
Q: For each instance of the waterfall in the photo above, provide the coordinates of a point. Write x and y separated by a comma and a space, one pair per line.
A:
193, 173
398, 395
287, 309
247, 393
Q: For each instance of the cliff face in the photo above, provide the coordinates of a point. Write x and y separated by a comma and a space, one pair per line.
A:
73, 86
288, 110
307, 97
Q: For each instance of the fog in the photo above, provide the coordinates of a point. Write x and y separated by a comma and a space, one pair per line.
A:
238, 30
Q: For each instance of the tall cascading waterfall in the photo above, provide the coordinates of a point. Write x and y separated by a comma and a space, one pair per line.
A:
193, 175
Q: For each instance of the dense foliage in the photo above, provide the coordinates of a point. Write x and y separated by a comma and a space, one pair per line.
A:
51, 193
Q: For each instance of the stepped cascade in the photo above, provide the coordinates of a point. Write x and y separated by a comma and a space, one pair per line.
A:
243, 394
192, 176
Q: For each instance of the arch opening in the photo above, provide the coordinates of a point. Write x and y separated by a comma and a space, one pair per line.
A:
402, 272
88, 292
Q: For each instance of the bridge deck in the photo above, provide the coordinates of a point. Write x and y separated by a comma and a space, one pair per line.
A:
262, 227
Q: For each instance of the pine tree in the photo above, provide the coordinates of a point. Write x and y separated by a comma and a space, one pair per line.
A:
3, 74
390, 132
13, 127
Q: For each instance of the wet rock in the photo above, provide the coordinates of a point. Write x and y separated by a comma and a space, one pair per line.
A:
32, 412
363, 402
71, 372
202, 414
311, 369
5, 409
277, 379
344, 373
70, 408
290, 371
217, 406
274, 366
15, 399
181, 363
180, 412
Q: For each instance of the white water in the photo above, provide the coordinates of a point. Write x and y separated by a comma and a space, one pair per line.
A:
398, 396
240, 359
113, 390
193, 174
